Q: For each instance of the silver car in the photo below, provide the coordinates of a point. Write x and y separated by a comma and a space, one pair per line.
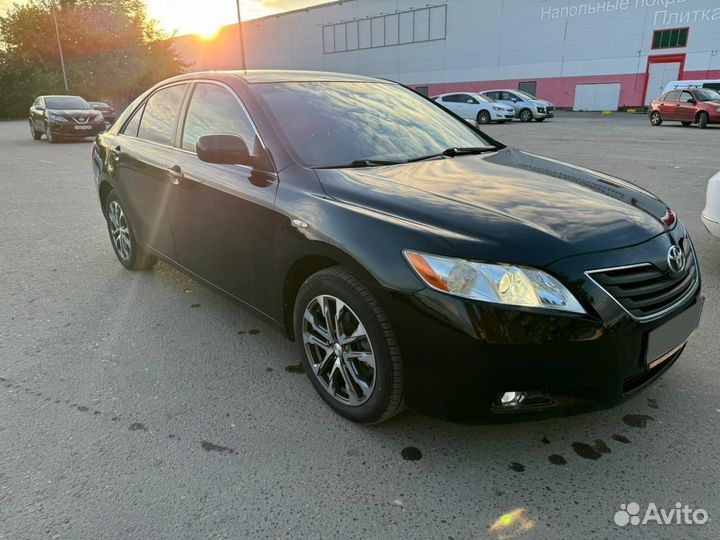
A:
527, 107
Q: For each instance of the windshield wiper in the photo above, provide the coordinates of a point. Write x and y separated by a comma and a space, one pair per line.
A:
361, 163
458, 151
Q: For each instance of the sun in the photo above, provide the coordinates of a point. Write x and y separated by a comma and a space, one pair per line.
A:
205, 19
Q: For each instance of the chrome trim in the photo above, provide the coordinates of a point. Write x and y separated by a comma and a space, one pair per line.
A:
660, 313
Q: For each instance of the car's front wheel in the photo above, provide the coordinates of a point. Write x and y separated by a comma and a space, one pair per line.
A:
703, 120
49, 135
129, 252
348, 348
526, 115
655, 118
483, 117
33, 132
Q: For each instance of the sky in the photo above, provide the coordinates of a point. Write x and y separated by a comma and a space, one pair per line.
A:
205, 17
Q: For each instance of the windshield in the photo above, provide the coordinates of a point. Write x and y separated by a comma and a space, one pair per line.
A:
334, 123
524, 95
706, 94
66, 102
483, 99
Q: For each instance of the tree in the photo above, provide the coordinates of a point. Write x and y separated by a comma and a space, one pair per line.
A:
111, 50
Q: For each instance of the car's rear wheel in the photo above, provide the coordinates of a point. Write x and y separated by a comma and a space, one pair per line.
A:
33, 132
129, 252
483, 117
703, 120
348, 347
655, 118
526, 115
686, 124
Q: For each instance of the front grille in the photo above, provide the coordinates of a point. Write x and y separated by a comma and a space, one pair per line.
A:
550, 109
644, 290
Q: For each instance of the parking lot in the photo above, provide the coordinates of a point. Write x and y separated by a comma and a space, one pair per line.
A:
142, 405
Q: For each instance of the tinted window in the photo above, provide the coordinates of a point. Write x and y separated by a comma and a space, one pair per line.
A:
712, 86
161, 112
215, 111
335, 123
672, 96
507, 96
493, 95
66, 102
707, 95
454, 98
131, 128
464, 98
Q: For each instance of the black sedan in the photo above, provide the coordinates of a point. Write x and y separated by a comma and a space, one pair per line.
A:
413, 259
64, 117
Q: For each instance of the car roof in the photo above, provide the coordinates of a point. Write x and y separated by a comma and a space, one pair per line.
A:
500, 90
277, 76
455, 93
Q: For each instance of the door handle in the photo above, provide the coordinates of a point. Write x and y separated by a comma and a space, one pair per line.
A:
176, 174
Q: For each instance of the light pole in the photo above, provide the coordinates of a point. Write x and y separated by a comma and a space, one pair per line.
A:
62, 60
240, 35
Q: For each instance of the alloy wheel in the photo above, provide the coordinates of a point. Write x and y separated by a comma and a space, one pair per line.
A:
339, 351
525, 115
119, 230
655, 119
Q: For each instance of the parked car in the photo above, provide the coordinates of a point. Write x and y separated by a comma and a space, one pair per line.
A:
711, 213
526, 106
107, 111
477, 107
699, 106
413, 259
712, 84
64, 117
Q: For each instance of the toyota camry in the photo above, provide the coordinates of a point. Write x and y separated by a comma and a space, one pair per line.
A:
414, 260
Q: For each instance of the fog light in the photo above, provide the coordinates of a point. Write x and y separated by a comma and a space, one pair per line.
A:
512, 399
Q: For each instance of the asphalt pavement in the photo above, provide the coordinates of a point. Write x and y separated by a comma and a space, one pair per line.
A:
142, 405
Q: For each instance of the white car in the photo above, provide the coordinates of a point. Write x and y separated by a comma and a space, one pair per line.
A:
711, 214
477, 107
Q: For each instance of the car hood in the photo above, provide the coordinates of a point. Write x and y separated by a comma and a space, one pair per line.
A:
542, 103
508, 206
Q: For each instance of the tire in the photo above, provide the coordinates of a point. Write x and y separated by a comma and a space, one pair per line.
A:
703, 120
34, 133
526, 115
686, 124
52, 139
483, 117
122, 237
377, 393
539, 119
656, 119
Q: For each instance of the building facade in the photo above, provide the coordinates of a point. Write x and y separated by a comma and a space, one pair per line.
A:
581, 54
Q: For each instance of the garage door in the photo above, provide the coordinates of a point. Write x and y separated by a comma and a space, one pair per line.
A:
597, 97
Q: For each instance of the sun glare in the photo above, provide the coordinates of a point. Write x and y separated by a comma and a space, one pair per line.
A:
204, 19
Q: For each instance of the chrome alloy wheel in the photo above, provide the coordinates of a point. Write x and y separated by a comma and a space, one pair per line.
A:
119, 231
339, 350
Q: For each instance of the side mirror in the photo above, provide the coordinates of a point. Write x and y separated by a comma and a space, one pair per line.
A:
40, 108
514, 100
692, 101
223, 149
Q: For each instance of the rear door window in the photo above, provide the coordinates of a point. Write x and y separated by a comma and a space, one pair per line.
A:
161, 114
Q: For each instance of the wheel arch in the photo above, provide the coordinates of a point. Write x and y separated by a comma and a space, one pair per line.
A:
104, 190
305, 266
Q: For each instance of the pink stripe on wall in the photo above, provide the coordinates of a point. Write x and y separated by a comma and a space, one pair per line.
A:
561, 90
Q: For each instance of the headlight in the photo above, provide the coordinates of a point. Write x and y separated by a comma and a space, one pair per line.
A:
541, 109
500, 109
496, 283
56, 118
99, 117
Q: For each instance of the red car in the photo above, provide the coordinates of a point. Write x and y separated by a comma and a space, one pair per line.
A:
694, 105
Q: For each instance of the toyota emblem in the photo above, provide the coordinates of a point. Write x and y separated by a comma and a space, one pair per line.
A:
676, 259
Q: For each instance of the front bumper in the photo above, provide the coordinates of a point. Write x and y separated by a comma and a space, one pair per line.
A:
546, 114
69, 130
460, 355
712, 225
502, 116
